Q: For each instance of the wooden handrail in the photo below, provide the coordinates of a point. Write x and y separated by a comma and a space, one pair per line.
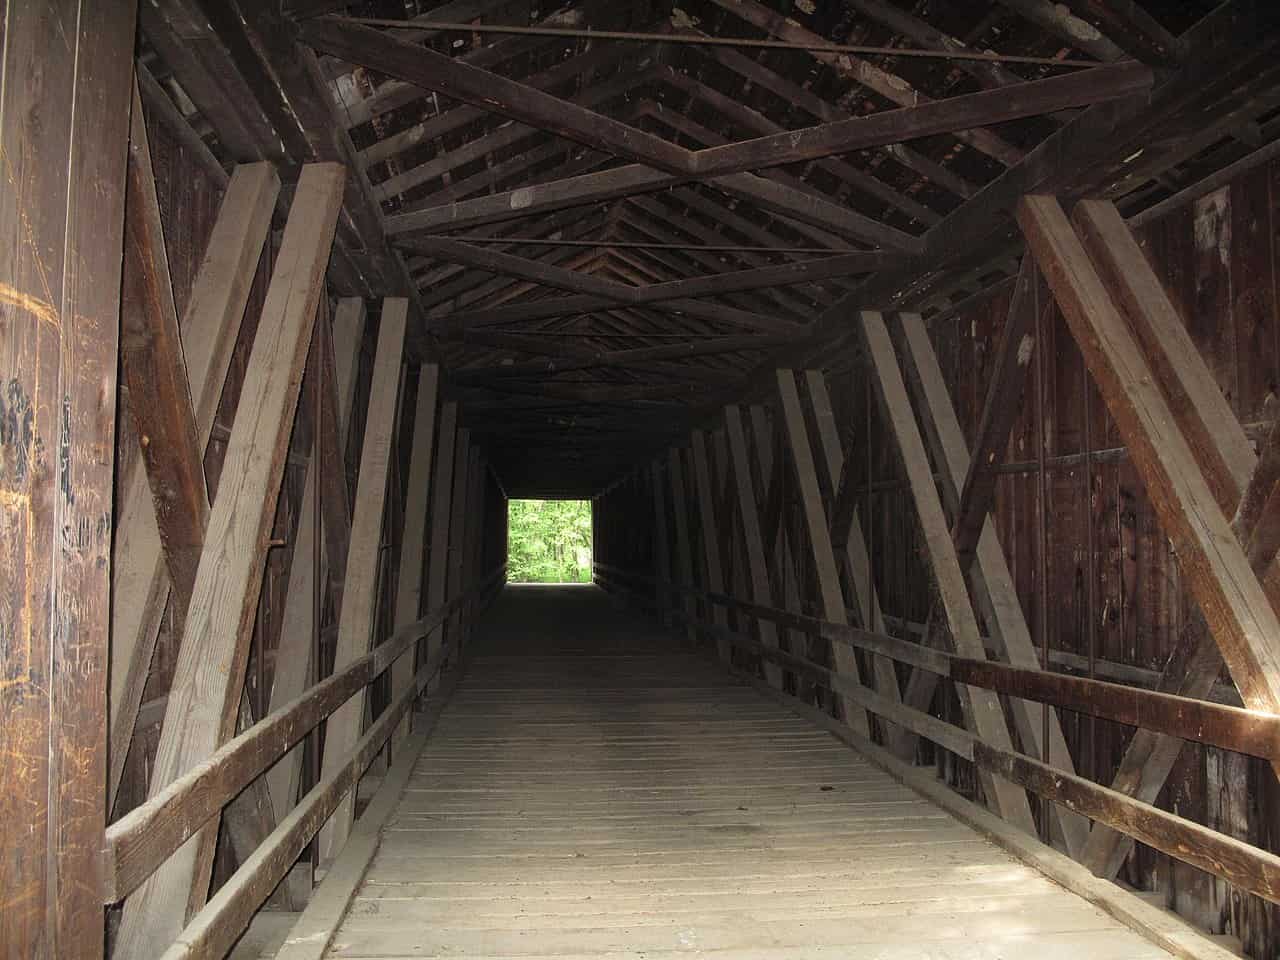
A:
136, 844
1242, 864
1252, 732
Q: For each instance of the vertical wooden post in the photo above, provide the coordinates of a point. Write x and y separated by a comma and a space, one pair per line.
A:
856, 562
992, 582
295, 670
64, 121
684, 555
412, 550
824, 557
748, 510
360, 595
209, 327
205, 695
441, 514
458, 532
984, 715
661, 549
711, 537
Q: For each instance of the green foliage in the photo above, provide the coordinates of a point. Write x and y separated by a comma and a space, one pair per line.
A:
549, 541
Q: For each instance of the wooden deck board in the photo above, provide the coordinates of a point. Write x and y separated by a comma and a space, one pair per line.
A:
593, 791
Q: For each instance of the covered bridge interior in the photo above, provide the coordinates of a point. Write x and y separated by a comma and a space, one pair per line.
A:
919, 358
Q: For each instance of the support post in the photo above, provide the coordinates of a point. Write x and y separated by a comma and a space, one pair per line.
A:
992, 583
64, 125
360, 595
983, 713
203, 702
412, 550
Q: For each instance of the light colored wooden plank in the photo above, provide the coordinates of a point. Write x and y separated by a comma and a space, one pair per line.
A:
710, 530
209, 327
201, 710
992, 583
748, 513
1217, 570
294, 670
413, 546
360, 595
984, 715
441, 514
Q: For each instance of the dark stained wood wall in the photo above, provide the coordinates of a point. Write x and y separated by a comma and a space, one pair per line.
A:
1112, 592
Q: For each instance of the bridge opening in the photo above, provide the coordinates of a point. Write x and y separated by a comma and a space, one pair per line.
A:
549, 541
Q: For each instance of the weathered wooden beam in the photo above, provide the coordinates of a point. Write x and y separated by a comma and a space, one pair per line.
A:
64, 125
1243, 865
160, 398
1003, 403
209, 674
847, 538
712, 532
822, 553
863, 72
684, 554
441, 515
459, 505
749, 514
984, 715
962, 112
803, 271
295, 667
992, 583
360, 594
580, 304
154, 368
1218, 573
661, 542
209, 326
413, 546
1217, 440
433, 71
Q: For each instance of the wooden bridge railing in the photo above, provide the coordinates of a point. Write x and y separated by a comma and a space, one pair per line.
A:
136, 845
1245, 731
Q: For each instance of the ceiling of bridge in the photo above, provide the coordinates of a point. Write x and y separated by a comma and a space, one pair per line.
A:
591, 269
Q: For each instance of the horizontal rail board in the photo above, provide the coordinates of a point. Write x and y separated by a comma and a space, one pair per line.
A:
136, 844
1242, 864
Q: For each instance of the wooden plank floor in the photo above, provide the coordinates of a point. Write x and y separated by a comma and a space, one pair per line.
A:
592, 791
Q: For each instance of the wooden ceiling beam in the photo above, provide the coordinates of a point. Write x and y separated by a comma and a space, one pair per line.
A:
864, 74
805, 99
433, 71
505, 136
1058, 19
459, 116
1131, 28
787, 196
711, 285
928, 118
747, 118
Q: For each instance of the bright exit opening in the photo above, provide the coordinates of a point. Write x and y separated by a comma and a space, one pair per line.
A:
549, 541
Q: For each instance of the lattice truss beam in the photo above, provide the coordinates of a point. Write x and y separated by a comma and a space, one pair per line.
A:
576, 175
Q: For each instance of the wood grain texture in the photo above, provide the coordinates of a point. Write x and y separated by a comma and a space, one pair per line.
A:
295, 668
409, 588
592, 790
1237, 610
360, 593
209, 328
202, 702
64, 123
984, 715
